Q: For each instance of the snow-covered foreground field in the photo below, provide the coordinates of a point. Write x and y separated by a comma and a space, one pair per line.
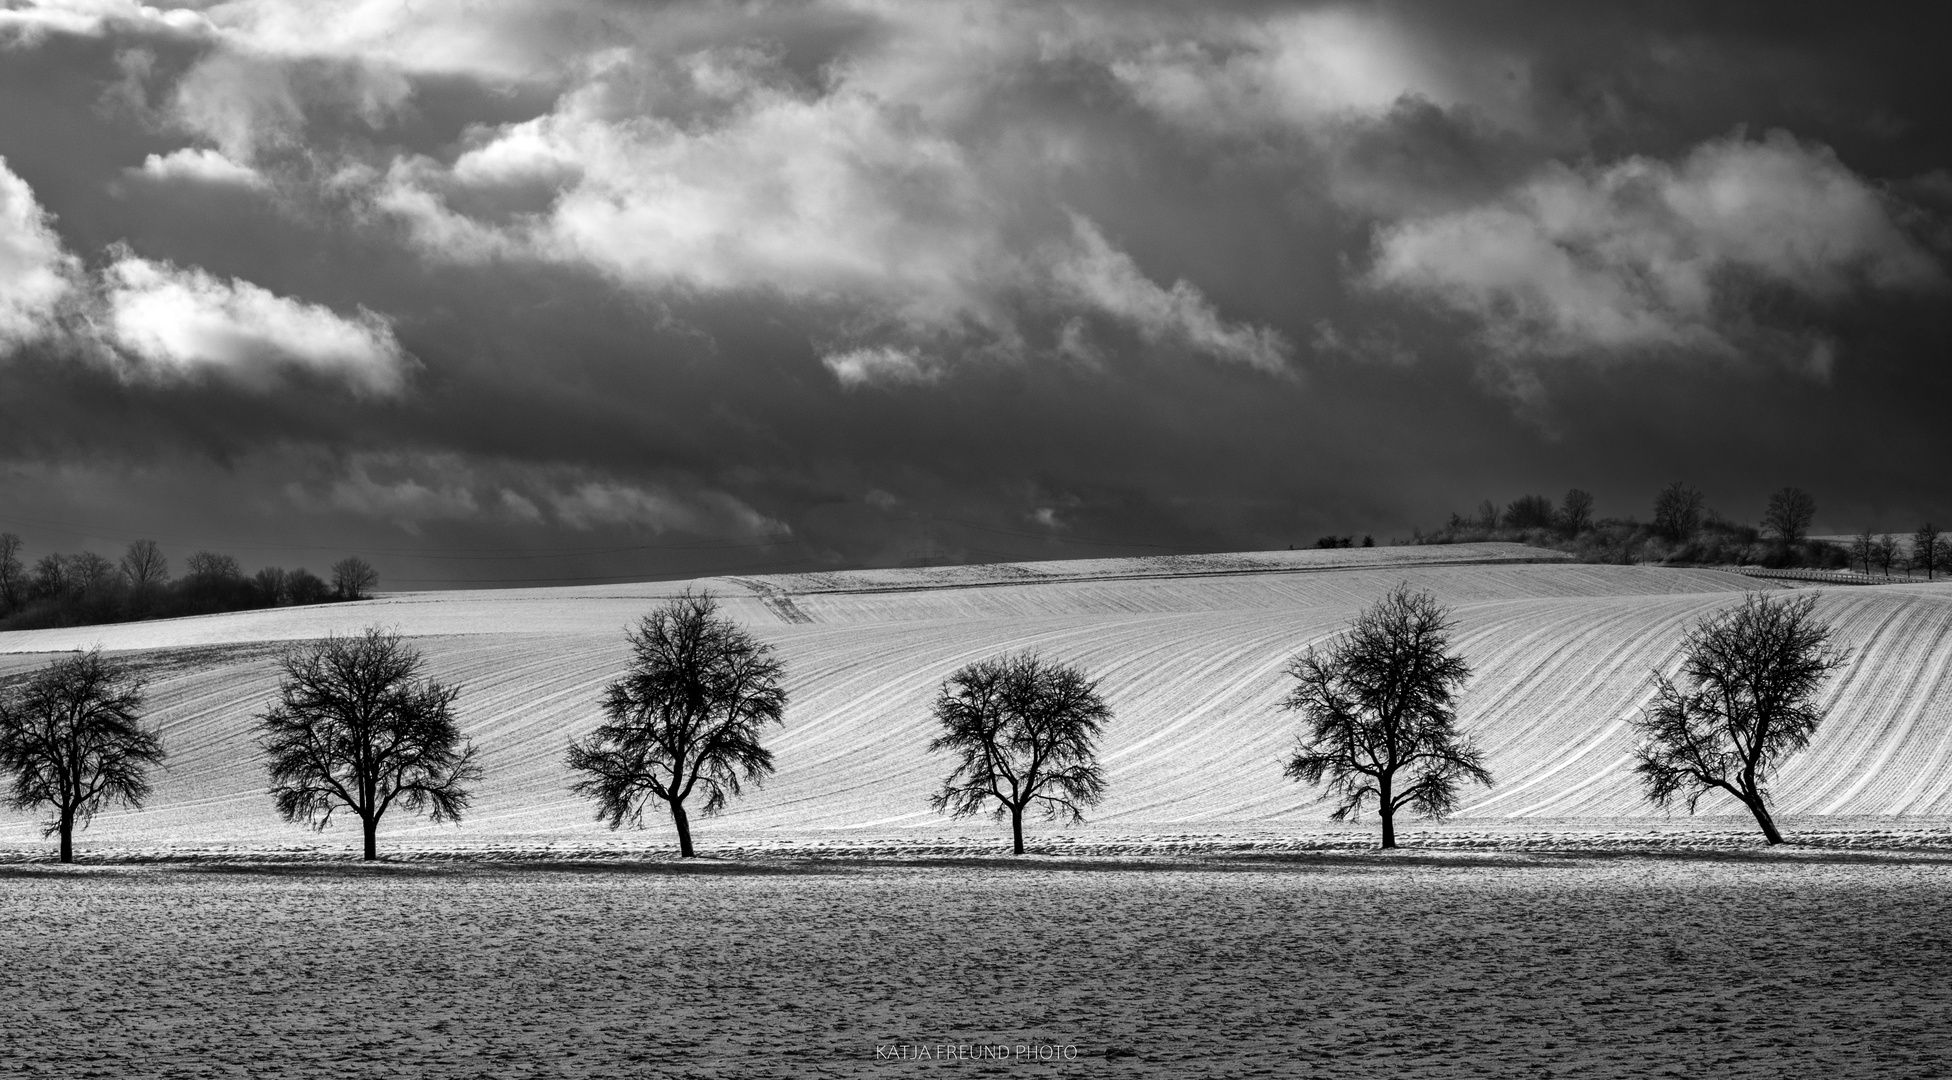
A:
1803, 964
1190, 651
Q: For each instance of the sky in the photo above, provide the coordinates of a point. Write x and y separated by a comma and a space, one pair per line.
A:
556, 292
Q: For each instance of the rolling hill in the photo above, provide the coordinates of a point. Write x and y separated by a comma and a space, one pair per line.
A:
1190, 651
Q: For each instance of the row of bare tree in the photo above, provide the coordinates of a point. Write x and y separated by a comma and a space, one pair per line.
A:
87, 588
358, 727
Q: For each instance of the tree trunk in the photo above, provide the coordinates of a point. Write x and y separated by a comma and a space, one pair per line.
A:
372, 828
1386, 810
1763, 819
67, 838
683, 823
1016, 827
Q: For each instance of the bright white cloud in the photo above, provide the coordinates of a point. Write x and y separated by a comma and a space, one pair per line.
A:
1641, 254
36, 274
1232, 73
834, 199
881, 365
183, 322
39, 18
1095, 274
201, 166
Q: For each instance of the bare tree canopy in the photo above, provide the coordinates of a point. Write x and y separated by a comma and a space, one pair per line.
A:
1529, 512
304, 587
1928, 550
144, 566
357, 726
1790, 512
13, 576
1677, 511
1022, 730
353, 578
685, 719
1379, 701
72, 740
1747, 699
1885, 552
1863, 550
212, 566
1576, 512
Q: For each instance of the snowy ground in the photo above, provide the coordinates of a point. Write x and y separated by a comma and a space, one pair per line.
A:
1686, 962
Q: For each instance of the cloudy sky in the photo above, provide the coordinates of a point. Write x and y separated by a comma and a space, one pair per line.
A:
548, 292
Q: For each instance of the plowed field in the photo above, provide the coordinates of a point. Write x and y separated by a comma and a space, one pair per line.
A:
1189, 650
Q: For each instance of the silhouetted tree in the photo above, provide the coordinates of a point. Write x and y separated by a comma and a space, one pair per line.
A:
51, 578
304, 587
1927, 550
1750, 676
353, 579
1368, 541
1886, 552
91, 575
1529, 512
213, 582
1677, 512
1022, 731
1487, 515
358, 726
1790, 512
1576, 512
1863, 549
72, 740
270, 585
685, 718
13, 576
144, 566
213, 566
1379, 701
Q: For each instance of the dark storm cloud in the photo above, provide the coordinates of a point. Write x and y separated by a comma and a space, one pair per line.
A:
821, 284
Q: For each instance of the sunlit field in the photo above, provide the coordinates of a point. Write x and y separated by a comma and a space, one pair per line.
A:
1412, 964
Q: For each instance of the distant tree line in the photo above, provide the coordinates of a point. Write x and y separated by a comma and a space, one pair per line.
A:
86, 588
359, 727
1683, 529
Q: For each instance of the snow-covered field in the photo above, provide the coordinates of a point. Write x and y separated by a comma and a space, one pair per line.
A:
1496, 964
1189, 651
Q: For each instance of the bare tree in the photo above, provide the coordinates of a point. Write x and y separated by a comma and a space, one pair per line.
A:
1677, 511
271, 585
1752, 673
214, 567
1885, 552
685, 718
1927, 550
1790, 512
357, 726
1022, 731
1487, 515
144, 566
1379, 701
13, 576
72, 740
353, 579
1863, 549
91, 575
1529, 512
52, 578
1576, 512
304, 587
